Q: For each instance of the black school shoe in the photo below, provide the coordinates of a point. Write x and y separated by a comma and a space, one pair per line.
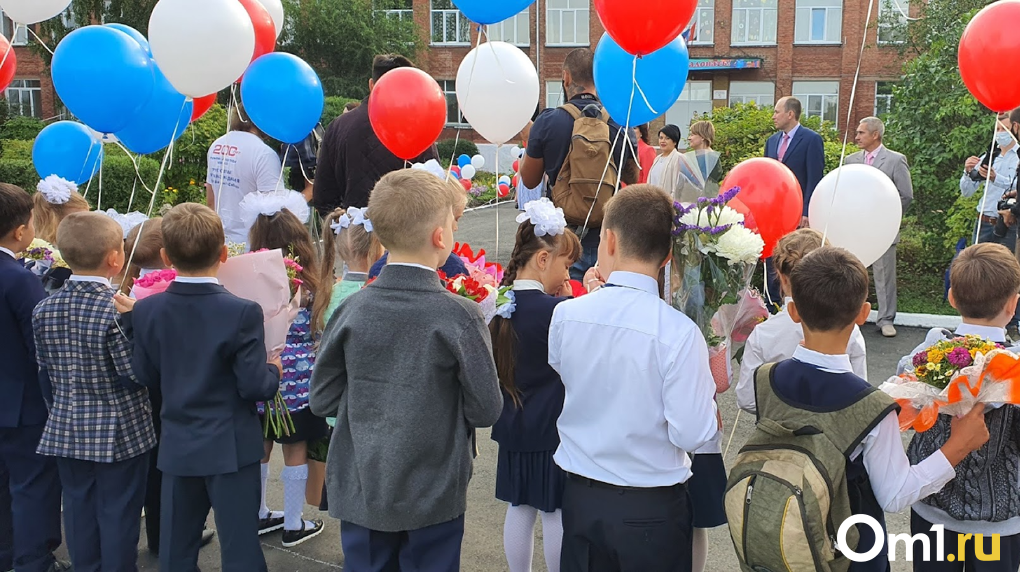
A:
270, 524
295, 537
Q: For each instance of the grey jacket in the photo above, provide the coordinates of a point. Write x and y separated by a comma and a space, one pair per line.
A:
407, 369
894, 165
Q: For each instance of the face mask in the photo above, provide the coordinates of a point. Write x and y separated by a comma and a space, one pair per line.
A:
1003, 138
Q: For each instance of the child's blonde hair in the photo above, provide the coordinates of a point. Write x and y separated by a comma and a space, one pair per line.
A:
352, 243
86, 238
794, 247
47, 215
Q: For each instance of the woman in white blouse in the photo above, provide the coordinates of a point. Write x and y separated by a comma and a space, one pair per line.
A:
665, 170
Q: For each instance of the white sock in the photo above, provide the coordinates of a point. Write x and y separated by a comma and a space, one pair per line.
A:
552, 538
294, 480
519, 537
264, 511
699, 551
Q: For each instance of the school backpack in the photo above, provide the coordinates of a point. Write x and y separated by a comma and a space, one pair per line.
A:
787, 494
584, 183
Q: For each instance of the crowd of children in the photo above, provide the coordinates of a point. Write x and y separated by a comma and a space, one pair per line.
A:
598, 404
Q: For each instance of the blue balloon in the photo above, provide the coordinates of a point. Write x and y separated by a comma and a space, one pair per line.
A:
142, 41
661, 75
103, 76
283, 96
463, 161
491, 11
68, 150
162, 120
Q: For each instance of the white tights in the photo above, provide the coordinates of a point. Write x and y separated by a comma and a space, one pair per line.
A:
519, 537
699, 549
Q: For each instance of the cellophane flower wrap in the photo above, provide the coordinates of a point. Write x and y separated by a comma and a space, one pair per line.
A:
484, 272
40, 256
950, 377
489, 296
262, 277
153, 283
714, 256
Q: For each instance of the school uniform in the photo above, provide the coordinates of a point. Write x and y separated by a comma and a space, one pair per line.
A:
525, 471
100, 424
881, 478
632, 363
33, 481
204, 350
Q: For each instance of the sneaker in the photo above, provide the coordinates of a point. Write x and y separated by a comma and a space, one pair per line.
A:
889, 331
271, 523
309, 529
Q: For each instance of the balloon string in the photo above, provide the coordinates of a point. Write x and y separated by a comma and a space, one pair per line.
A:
81, 171
231, 103
498, 145
988, 177
282, 167
10, 47
37, 38
765, 267
138, 173
732, 432
134, 187
456, 141
99, 200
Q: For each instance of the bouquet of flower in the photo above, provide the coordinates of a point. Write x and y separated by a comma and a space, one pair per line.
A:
45, 262
153, 283
950, 377
486, 273
714, 256
492, 298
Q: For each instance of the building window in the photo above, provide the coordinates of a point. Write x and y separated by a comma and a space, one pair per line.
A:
449, 25
883, 98
453, 115
818, 98
892, 21
396, 9
554, 93
25, 97
819, 21
754, 22
702, 28
515, 30
19, 39
567, 23
762, 93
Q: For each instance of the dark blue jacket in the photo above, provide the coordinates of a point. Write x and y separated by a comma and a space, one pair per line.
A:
203, 349
805, 156
20, 290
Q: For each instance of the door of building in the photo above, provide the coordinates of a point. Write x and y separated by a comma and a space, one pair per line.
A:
695, 100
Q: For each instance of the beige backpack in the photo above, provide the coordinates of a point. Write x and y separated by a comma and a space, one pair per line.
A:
584, 184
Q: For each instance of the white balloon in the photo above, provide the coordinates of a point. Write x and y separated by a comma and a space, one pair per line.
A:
33, 11
865, 216
275, 9
467, 172
202, 46
515, 152
497, 76
478, 162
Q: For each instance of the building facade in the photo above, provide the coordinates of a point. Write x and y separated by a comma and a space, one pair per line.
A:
31, 92
741, 51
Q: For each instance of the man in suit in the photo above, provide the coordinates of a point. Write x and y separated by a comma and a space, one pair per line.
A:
894, 165
800, 149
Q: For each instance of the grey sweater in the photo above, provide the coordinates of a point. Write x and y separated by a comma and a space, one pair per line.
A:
407, 369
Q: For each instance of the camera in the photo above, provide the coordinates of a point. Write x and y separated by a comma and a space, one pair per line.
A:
975, 173
1006, 204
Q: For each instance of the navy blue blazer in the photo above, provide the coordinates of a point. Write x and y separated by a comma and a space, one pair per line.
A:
203, 349
20, 292
805, 156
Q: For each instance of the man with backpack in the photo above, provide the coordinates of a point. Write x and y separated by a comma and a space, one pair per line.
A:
580, 148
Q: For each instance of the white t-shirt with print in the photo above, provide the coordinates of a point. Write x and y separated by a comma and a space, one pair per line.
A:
240, 163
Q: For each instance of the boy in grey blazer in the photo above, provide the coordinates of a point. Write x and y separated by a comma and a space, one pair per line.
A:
407, 369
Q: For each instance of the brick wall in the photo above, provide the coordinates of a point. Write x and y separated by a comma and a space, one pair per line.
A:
32, 66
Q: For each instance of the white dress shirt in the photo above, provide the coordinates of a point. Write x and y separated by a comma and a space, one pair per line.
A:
196, 280
97, 279
896, 483
776, 339
411, 264
1005, 178
8, 252
639, 391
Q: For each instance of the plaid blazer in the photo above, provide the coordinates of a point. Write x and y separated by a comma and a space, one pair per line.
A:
98, 411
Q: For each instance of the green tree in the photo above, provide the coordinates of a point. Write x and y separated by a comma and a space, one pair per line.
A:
134, 13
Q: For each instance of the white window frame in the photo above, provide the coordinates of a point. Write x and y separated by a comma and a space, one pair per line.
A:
806, 90
579, 10
761, 93
767, 8
887, 97
21, 38
517, 25
554, 96
807, 10
34, 93
459, 20
899, 11
705, 13
450, 91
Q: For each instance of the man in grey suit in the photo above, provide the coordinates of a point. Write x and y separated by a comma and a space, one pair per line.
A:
894, 165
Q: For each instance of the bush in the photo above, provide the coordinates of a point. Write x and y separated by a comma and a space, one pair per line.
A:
447, 150
334, 108
191, 150
21, 128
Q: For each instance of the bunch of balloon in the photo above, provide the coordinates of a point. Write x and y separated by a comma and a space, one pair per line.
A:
466, 169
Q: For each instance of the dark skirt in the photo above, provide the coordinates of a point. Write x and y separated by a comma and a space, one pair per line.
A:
307, 427
707, 486
531, 479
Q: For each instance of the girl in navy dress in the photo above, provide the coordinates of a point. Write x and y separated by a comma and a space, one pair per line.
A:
526, 476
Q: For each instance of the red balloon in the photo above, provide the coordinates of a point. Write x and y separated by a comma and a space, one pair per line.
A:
642, 26
265, 29
741, 208
407, 109
10, 63
504, 190
771, 193
466, 183
517, 166
991, 31
455, 170
514, 180
202, 105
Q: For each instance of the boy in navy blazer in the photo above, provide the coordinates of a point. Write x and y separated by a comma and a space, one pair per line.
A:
100, 424
204, 350
32, 479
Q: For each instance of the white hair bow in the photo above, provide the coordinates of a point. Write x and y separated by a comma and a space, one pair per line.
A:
271, 203
547, 218
56, 190
356, 216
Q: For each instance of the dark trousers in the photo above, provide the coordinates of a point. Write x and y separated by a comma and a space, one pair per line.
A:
589, 254
153, 495
35, 498
773, 288
102, 510
1009, 551
434, 548
234, 498
618, 529
6, 522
